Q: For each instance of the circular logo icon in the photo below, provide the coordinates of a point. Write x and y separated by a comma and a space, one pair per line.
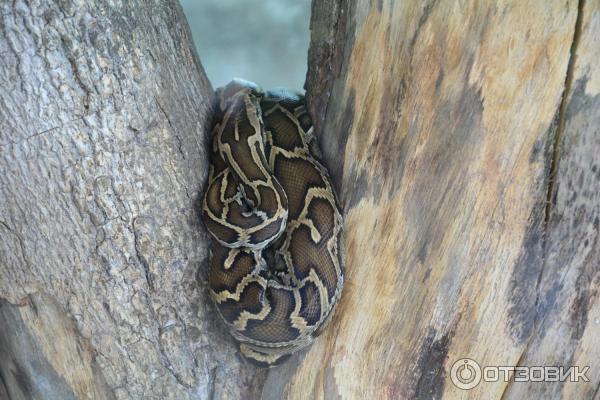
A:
465, 374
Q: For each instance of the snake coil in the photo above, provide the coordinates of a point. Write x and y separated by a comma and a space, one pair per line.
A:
276, 268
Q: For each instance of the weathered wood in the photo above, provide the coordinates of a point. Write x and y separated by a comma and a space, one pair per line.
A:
47, 359
104, 110
568, 327
442, 122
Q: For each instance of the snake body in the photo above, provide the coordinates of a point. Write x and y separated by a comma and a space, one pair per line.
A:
276, 268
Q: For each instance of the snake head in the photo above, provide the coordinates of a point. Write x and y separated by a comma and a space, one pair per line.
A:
226, 94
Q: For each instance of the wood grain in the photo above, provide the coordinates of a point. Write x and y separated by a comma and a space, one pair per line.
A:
43, 356
439, 121
568, 328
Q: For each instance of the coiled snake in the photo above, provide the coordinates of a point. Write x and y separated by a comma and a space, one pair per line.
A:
276, 268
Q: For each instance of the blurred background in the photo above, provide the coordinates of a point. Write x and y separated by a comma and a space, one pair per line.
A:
264, 41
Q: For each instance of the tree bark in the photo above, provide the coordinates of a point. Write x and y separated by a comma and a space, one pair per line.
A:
104, 116
464, 139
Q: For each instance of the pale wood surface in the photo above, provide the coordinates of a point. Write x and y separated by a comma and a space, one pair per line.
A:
568, 330
439, 121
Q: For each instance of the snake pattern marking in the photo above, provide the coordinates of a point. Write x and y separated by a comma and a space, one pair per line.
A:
276, 268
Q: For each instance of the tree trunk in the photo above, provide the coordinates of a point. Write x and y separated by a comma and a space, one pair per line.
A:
463, 141
104, 114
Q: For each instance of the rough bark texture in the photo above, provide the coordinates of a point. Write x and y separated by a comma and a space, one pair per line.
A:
104, 110
464, 139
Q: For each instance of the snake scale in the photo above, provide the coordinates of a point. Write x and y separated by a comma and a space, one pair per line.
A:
276, 268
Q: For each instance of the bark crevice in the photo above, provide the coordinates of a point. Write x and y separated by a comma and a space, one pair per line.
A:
562, 109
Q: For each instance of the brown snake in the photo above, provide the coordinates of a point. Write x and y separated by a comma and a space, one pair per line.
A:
276, 269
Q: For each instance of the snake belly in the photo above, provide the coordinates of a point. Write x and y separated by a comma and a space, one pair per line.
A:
276, 268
